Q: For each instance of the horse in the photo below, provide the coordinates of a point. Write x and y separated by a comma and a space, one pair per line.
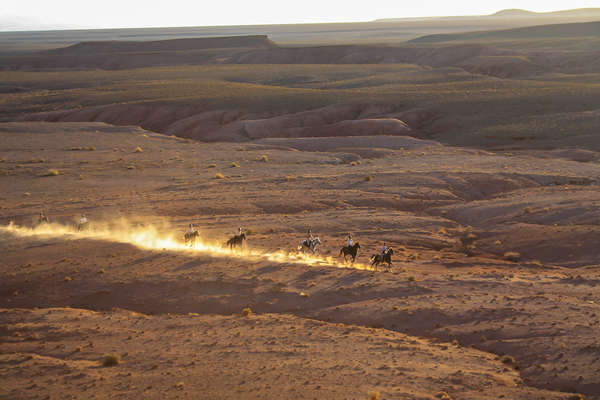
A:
83, 226
237, 240
191, 237
309, 244
350, 251
42, 220
386, 258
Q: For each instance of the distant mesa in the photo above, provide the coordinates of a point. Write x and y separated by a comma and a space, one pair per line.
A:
514, 12
573, 30
115, 46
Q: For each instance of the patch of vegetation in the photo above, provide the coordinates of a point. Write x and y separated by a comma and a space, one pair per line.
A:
443, 396
368, 178
374, 395
81, 148
51, 172
235, 165
507, 359
219, 175
138, 150
211, 166
246, 312
512, 256
263, 158
110, 360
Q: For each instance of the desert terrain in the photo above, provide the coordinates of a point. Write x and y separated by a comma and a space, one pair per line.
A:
475, 156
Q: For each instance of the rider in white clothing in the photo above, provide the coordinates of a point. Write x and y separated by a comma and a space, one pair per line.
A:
83, 219
383, 249
191, 228
350, 241
239, 231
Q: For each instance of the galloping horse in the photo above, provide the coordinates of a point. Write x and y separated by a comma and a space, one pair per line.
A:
191, 237
236, 241
386, 258
350, 251
309, 244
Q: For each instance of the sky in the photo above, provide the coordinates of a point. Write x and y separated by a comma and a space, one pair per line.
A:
171, 13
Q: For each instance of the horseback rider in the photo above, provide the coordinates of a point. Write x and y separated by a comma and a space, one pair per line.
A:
350, 241
191, 228
384, 249
310, 236
42, 218
239, 231
83, 220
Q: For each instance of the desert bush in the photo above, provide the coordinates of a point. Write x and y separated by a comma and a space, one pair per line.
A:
235, 165
219, 176
138, 150
263, 158
68, 279
576, 397
246, 312
110, 360
368, 178
528, 210
411, 278
131, 167
443, 396
374, 395
507, 360
51, 172
211, 166
512, 256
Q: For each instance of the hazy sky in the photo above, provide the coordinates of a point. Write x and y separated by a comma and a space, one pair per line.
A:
138, 13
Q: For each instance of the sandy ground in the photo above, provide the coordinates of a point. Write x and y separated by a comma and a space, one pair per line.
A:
439, 321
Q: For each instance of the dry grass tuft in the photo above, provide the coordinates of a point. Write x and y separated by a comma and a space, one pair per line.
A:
528, 210
138, 150
263, 158
368, 178
68, 279
219, 176
211, 166
512, 256
443, 396
110, 360
235, 165
246, 312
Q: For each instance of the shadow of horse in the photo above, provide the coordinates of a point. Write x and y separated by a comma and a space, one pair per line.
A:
350, 251
386, 258
236, 241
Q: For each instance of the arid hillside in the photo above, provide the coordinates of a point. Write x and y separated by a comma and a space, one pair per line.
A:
495, 267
